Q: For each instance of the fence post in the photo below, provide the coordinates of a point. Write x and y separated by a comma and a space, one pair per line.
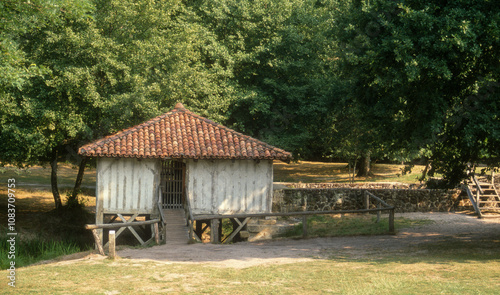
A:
112, 249
378, 212
367, 201
304, 226
391, 221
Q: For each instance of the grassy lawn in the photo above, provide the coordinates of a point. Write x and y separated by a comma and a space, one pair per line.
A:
39, 177
402, 275
337, 225
304, 171
438, 269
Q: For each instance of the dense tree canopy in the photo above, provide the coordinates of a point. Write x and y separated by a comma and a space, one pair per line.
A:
425, 73
321, 78
277, 54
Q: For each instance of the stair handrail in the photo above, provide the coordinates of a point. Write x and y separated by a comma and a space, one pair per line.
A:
476, 182
472, 200
189, 217
160, 207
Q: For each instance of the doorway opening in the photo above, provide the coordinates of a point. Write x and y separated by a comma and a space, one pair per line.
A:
173, 184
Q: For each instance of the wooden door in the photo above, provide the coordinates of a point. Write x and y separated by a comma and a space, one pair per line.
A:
173, 183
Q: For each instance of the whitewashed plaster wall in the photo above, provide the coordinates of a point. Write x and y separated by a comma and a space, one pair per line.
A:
127, 185
227, 187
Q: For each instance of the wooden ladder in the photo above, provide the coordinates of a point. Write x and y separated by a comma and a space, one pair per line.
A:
483, 195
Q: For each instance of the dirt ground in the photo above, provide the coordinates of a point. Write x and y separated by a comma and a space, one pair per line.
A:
453, 228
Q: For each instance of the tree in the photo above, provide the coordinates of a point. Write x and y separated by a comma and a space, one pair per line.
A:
117, 64
278, 59
26, 131
414, 67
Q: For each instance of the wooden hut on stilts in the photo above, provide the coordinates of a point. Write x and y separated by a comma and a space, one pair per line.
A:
181, 162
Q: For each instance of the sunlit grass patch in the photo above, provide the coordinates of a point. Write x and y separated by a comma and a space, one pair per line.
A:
34, 176
305, 171
350, 225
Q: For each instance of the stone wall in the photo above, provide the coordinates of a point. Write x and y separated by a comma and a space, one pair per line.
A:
404, 200
363, 185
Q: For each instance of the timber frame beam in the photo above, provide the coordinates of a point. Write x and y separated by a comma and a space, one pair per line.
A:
122, 226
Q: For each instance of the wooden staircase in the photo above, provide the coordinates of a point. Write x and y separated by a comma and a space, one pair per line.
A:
177, 232
483, 196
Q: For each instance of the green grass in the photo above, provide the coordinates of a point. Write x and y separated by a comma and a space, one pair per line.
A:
423, 274
305, 171
66, 175
350, 225
29, 251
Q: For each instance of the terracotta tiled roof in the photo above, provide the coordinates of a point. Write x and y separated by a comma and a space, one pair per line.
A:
182, 134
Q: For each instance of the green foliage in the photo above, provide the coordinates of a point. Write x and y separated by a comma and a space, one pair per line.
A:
124, 63
393, 79
29, 251
28, 117
73, 202
416, 67
278, 58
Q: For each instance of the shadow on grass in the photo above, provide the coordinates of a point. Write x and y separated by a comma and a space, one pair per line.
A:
444, 251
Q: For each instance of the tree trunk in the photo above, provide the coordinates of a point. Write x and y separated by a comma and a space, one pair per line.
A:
79, 178
426, 169
352, 170
53, 182
364, 166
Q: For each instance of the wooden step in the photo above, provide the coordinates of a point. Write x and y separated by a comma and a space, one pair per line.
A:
177, 231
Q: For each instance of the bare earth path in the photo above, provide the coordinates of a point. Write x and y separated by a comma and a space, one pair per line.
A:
453, 228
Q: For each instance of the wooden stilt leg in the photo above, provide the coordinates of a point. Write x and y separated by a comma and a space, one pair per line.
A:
157, 234
214, 231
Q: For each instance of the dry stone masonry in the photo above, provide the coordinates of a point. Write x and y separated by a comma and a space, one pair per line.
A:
292, 197
322, 197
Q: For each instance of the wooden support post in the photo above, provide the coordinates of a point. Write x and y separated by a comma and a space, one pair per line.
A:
378, 212
193, 236
199, 227
391, 221
220, 232
214, 231
191, 229
99, 219
367, 201
98, 243
112, 249
157, 234
304, 226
